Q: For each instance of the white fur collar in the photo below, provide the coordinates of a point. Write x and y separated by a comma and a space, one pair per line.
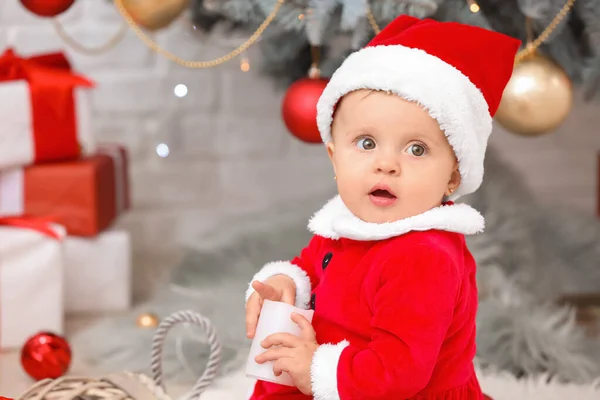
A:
335, 221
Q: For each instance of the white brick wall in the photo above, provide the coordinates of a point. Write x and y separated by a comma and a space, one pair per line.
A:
561, 168
229, 150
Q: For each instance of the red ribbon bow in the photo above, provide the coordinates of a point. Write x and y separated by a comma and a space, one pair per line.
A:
41, 225
51, 83
48, 68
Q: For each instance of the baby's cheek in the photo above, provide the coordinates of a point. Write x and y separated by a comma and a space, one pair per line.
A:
359, 177
348, 186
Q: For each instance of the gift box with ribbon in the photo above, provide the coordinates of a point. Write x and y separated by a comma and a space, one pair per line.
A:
98, 272
31, 279
85, 195
44, 110
120, 159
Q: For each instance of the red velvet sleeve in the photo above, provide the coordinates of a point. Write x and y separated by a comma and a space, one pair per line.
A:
301, 269
413, 309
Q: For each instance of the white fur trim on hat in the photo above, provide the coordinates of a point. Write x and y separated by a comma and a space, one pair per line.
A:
446, 93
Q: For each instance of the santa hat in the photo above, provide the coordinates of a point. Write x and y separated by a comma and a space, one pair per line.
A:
456, 72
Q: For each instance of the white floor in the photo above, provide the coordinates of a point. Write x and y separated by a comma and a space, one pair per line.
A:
236, 386
14, 381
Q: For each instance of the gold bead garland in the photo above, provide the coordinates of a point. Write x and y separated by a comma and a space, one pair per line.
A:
81, 48
198, 64
532, 46
527, 51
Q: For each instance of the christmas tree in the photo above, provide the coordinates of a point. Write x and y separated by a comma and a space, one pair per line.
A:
338, 27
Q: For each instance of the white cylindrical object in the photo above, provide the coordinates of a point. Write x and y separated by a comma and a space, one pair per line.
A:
275, 317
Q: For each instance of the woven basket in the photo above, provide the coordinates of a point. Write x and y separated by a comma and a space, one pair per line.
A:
131, 386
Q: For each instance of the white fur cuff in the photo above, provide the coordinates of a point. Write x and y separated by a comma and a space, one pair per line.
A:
323, 371
301, 279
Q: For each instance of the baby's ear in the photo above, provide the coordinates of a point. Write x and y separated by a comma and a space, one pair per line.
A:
330, 149
454, 178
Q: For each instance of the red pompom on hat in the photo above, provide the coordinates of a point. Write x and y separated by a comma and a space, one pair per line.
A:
457, 72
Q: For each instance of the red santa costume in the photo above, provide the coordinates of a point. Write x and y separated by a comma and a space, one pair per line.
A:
395, 303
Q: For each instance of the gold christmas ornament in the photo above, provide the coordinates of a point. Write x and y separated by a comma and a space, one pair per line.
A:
147, 320
155, 14
537, 99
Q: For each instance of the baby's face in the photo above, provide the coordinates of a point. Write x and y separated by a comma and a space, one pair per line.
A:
391, 159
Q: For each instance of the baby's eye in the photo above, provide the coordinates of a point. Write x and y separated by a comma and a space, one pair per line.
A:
366, 143
416, 150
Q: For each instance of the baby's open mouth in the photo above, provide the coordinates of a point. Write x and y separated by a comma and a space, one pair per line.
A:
382, 193
382, 196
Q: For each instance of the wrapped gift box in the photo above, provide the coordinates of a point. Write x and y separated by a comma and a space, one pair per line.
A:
120, 159
31, 280
98, 272
45, 113
85, 195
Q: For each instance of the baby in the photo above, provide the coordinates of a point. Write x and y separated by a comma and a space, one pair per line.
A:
388, 274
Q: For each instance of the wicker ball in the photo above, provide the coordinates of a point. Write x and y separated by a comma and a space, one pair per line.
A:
122, 386
130, 386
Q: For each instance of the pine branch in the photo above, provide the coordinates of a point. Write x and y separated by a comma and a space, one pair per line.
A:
286, 57
458, 11
589, 12
543, 12
567, 46
575, 43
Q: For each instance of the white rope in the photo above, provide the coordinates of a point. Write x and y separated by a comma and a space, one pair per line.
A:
214, 359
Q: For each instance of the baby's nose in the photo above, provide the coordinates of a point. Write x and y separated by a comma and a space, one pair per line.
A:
387, 165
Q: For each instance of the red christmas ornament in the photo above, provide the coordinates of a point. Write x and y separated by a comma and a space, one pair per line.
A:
299, 108
47, 8
46, 356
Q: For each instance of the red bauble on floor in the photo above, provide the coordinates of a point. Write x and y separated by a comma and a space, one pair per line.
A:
46, 356
47, 8
299, 108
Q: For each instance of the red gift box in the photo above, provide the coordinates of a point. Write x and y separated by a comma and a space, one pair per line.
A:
43, 118
85, 196
121, 162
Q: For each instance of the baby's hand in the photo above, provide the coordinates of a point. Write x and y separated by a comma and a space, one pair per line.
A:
276, 288
292, 354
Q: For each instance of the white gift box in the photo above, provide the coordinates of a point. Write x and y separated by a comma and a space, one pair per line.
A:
17, 146
31, 283
98, 272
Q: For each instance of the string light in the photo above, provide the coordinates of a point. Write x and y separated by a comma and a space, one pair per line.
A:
301, 16
473, 6
162, 150
180, 90
245, 63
